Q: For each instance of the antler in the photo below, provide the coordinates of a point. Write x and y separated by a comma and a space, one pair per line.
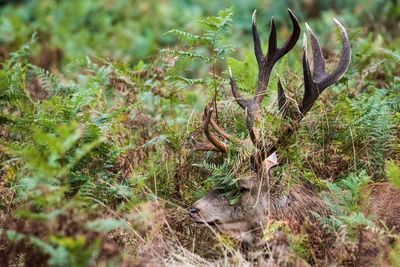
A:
315, 83
319, 80
215, 144
265, 66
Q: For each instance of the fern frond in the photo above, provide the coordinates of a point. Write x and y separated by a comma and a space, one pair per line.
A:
393, 54
186, 54
191, 38
218, 26
48, 81
187, 81
23, 53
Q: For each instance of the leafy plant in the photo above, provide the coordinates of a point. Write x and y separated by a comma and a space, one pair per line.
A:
344, 204
209, 47
62, 152
393, 172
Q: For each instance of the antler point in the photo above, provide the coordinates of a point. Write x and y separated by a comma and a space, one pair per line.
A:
272, 22
336, 20
253, 17
340, 25
305, 41
309, 28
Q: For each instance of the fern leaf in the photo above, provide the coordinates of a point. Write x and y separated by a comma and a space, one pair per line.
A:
192, 38
393, 54
186, 54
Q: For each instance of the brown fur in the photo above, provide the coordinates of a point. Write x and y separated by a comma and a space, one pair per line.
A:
383, 202
301, 202
258, 206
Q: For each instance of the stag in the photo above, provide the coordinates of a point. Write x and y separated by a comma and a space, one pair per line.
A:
259, 202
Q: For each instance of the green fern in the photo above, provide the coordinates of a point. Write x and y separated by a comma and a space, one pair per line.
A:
343, 202
48, 81
214, 30
370, 127
221, 175
393, 172
393, 54
192, 39
187, 54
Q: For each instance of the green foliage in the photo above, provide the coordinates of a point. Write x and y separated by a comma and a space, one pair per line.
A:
344, 204
50, 154
369, 121
208, 47
65, 251
393, 95
123, 30
221, 175
63, 150
300, 246
213, 32
350, 189
394, 255
13, 94
394, 54
105, 225
393, 172
245, 72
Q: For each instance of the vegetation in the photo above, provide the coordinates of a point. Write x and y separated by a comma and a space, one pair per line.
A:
100, 100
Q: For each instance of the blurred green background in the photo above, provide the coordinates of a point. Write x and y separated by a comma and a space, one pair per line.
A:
130, 30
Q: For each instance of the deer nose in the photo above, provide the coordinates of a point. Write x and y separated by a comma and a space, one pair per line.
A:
193, 211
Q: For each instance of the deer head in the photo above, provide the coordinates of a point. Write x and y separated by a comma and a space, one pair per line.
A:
246, 217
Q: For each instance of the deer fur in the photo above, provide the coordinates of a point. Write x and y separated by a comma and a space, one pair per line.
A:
258, 205
382, 201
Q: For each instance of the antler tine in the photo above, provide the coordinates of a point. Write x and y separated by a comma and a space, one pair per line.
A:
344, 61
256, 39
209, 134
214, 143
265, 63
273, 55
310, 88
265, 66
318, 59
281, 98
294, 36
243, 103
221, 132
316, 83
203, 146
